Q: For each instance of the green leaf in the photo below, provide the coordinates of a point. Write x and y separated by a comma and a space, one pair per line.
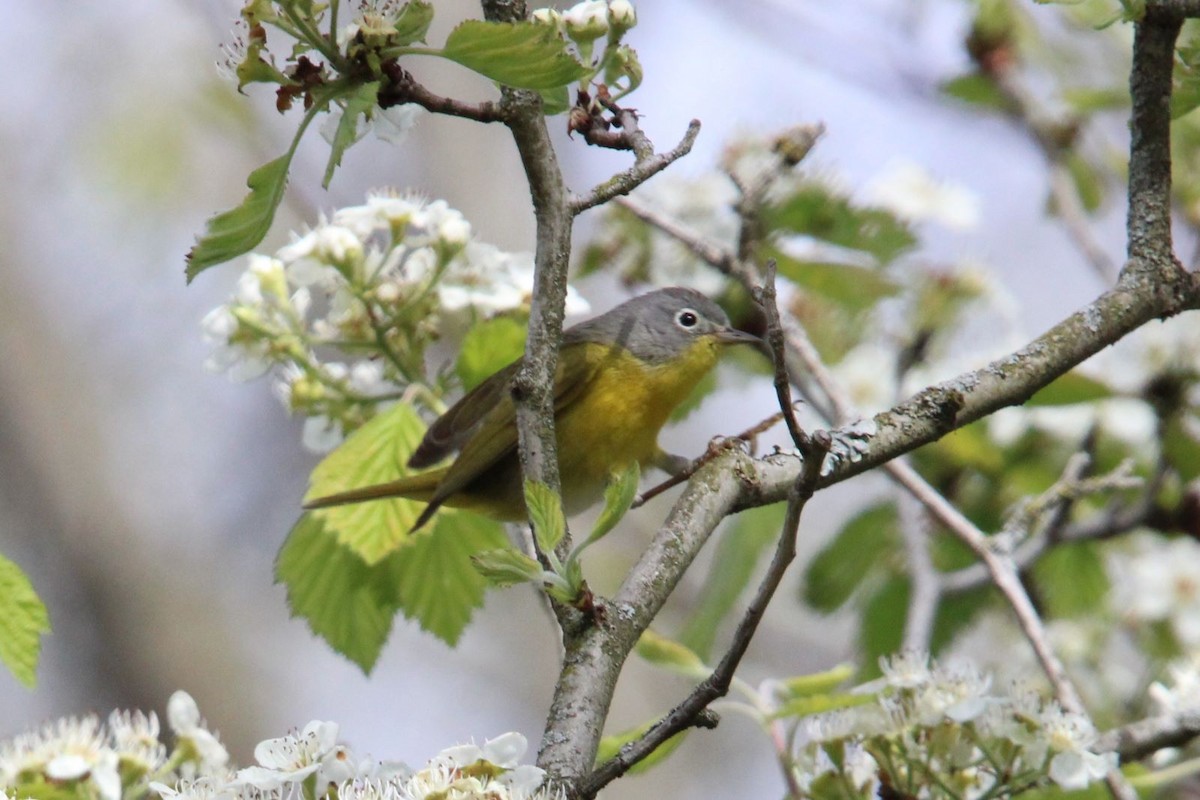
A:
507, 566
836, 571
1069, 389
1089, 185
857, 288
1181, 449
412, 24
670, 654
555, 101
345, 601
545, 515
817, 683
881, 631
357, 103
439, 586
618, 497
816, 210
1072, 580
375, 453
1087, 100
819, 704
519, 54
237, 231
738, 553
23, 620
611, 745
976, 89
488, 347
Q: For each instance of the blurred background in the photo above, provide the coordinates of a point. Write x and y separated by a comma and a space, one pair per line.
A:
146, 498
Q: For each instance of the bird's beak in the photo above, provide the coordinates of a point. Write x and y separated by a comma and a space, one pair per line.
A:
734, 336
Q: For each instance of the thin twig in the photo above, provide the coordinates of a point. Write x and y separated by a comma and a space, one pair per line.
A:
642, 170
401, 88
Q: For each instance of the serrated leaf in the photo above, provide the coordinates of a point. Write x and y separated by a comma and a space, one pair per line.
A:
507, 566
819, 682
1071, 388
438, 585
375, 453
739, 551
1071, 579
488, 347
619, 495
838, 569
236, 231
23, 620
816, 210
523, 55
357, 103
345, 601
412, 23
611, 745
819, 704
857, 288
976, 89
669, 654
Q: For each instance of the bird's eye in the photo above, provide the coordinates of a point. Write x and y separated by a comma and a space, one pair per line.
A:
687, 318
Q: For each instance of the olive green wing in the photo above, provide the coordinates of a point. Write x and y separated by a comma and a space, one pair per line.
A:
494, 434
450, 432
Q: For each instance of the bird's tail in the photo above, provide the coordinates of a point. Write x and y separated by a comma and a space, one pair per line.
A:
412, 487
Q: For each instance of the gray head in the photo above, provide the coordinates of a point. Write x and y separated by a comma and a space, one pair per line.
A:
658, 326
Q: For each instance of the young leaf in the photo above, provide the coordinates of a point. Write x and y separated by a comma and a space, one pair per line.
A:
618, 497
669, 654
345, 601
611, 745
487, 347
976, 89
820, 703
518, 54
358, 103
23, 620
375, 453
545, 514
507, 566
236, 231
412, 23
819, 682
840, 567
437, 584
738, 552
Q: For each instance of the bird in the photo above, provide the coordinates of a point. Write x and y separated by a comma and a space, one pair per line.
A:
620, 376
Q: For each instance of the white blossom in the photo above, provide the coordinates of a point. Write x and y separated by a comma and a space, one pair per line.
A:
908, 190
183, 717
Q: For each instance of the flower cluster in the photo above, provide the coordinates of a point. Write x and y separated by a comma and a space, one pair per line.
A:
344, 313
119, 758
937, 726
1157, 580
124, 760
587, 21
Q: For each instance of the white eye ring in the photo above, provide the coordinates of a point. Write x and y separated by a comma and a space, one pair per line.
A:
687, 318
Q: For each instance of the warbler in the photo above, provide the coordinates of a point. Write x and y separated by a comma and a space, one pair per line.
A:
619, 377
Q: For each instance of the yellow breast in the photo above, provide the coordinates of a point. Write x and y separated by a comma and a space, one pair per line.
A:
616, 420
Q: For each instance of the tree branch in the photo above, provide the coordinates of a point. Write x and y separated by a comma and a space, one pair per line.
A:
645, 167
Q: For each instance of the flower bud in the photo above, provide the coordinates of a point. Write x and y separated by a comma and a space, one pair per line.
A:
587, 21
621, 16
